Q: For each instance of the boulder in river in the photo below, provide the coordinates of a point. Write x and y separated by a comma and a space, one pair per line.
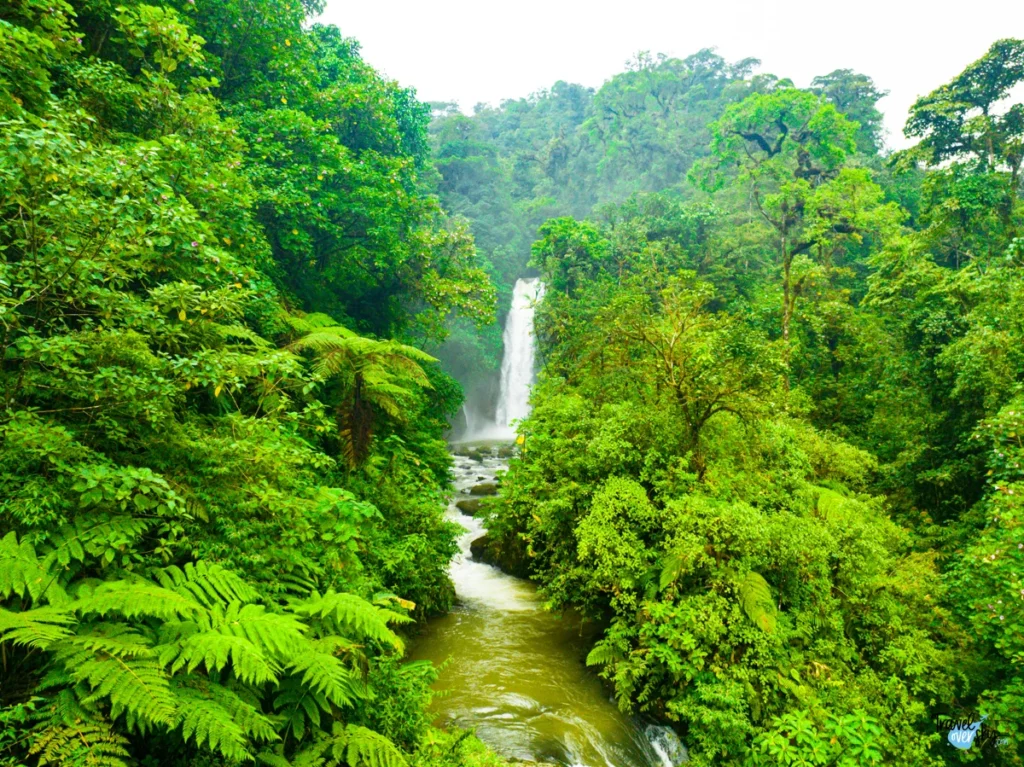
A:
475, 455
489, 551
506, 451
484, 488
469, 506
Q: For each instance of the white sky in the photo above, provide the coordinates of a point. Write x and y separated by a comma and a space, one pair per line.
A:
473, 51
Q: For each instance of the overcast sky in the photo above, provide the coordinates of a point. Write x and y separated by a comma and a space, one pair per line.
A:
486, 51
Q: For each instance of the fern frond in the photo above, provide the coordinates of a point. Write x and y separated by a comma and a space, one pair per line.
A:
134, 598
673, 566
272, 759
213, 650
829, 502
205, 719
351, 615
281, 635
21, 573
113, 639
603, 653
207, 583
240, 332
37, 628
305, 323
133, 680
82, 744
756, 599
245, 710
360, 746
328, 676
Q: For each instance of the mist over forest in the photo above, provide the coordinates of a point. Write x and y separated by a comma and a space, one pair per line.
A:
677, 420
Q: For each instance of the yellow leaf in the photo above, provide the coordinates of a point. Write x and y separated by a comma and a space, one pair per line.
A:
320, 177
520, 439
181, 315
295, 231
188, 385
287, 42
238, 284
227, 240
51, 177
284, 100
216, 392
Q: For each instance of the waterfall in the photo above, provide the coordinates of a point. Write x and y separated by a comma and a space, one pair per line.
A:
517, 367
517, 364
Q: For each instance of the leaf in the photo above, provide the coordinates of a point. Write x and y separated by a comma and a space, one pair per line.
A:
756, 598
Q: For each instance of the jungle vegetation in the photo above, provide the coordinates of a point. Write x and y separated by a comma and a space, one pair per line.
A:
775, 451
776, 444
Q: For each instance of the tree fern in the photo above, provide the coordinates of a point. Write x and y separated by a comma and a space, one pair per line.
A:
756, 599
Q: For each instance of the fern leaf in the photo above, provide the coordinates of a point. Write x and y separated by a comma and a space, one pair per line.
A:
136, 598
118, 665
299, 704
85, 743
21, 573
281, 635
603, 653
214, 650
37, 628
352, 615
756, 599
206, 721
209, 584
363, 746
328, 676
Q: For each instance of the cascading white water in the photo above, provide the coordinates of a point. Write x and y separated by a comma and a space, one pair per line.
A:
518, 362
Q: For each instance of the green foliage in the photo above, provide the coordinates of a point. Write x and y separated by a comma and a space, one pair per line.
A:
205, 491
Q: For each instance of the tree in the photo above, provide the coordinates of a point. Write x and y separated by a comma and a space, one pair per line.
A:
790, 148
856, 96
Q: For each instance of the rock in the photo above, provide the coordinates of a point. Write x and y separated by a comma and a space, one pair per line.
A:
506, 451
479, 548
489, 551
475, 455
484, 488
469, 506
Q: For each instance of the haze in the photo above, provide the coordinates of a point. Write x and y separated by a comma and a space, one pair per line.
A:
472, 52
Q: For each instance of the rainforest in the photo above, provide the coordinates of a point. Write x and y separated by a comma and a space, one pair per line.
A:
676, 420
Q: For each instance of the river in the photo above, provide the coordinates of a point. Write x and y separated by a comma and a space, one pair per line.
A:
513, 671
